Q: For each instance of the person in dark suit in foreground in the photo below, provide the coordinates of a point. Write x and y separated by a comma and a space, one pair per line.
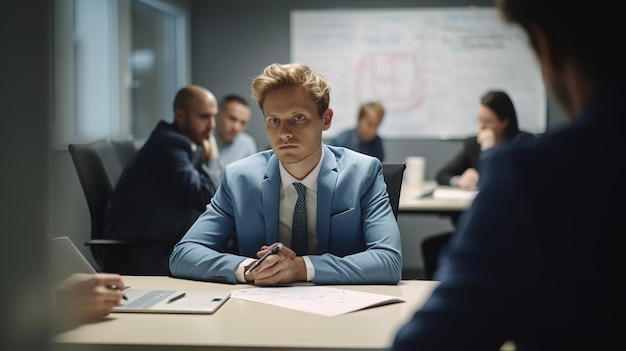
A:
167, 184
539, 257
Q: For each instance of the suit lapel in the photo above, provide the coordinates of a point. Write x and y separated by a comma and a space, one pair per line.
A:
326, 183
270, 189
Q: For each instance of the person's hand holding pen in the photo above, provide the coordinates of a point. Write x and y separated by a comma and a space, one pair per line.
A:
84, 298
279, 266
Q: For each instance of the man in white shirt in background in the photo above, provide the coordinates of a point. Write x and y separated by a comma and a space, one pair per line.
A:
230, 123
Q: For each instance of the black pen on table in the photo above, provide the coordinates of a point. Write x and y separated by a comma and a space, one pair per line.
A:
260, 260
114, 287
177, 297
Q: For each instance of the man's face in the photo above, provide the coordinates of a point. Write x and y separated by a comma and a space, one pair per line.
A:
367, 125
198, 120
293, 126
231, 120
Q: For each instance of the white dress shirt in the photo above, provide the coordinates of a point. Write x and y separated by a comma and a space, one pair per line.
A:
288, 198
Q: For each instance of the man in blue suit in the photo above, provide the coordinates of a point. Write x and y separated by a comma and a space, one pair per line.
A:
539, 258
167, 184
352, 235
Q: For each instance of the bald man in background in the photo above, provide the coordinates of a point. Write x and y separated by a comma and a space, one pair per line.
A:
167, 184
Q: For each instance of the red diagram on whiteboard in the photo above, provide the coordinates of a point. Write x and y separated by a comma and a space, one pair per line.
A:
395, 79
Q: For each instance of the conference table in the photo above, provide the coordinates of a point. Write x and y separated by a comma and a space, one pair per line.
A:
431, 198
246, 325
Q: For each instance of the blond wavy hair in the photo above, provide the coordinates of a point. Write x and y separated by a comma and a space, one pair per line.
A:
277, 76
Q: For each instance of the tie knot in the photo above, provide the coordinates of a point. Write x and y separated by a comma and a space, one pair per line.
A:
300, 189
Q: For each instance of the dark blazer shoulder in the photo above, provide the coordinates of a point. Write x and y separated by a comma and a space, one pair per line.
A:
168, 131
524, 136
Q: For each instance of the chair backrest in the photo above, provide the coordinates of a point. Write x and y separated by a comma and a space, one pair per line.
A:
393, 174
97, 168
125, 150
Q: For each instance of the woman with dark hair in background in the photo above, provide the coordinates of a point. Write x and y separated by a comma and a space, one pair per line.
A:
498, 124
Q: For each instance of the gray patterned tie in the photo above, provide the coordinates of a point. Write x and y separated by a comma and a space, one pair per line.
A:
298, 229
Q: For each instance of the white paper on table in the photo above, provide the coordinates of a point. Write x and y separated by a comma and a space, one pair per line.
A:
315, 299
461, 194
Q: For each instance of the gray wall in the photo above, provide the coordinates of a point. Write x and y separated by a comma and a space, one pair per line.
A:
232, 41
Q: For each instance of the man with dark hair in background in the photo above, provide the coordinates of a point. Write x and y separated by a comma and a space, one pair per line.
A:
230, 124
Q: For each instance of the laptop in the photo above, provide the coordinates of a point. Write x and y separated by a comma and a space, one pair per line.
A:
66, 260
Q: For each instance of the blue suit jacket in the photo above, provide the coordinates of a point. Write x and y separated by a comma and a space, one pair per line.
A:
159, 195
358, 236
539, 257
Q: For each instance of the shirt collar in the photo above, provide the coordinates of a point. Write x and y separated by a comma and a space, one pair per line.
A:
310, 181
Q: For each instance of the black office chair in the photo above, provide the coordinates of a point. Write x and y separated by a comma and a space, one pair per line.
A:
125, 150
393, 174
98, 167
431, 248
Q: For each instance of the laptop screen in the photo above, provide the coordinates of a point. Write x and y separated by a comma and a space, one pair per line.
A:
66, 259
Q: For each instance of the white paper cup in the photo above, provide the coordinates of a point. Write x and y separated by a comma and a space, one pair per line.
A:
414, 172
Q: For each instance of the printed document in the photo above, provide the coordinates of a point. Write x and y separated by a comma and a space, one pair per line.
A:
315, 299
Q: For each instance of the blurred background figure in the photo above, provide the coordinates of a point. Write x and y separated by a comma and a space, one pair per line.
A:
364, 138
166, 185
498, 124
230, 123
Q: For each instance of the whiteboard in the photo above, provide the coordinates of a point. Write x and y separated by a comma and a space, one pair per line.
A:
428, 67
